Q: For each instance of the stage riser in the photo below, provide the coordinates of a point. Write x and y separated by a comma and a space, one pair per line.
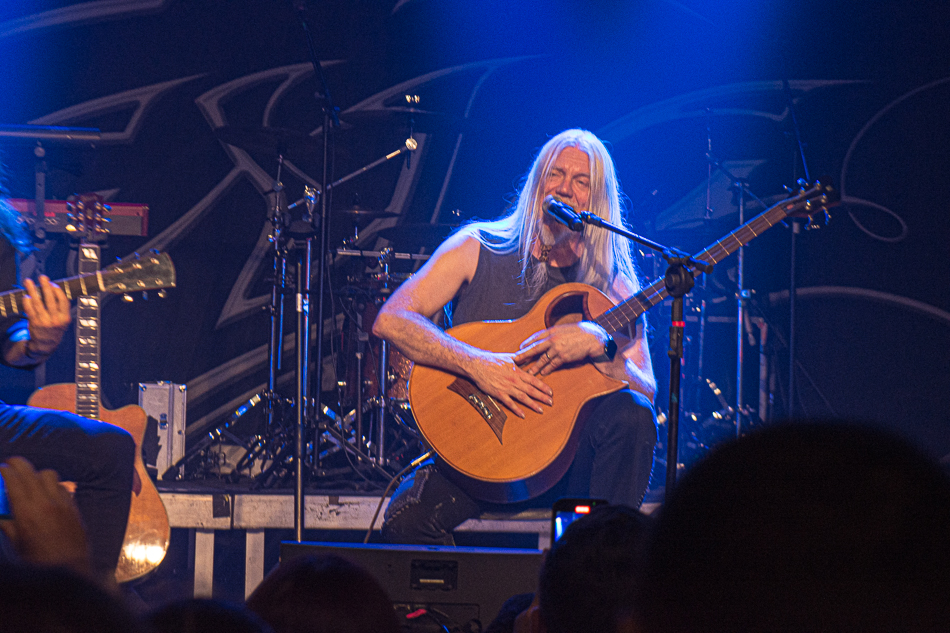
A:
207, 512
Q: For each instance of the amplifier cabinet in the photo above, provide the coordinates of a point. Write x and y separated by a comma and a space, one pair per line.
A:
460, 583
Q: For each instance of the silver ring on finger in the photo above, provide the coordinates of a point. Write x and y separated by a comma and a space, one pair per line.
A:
547, 357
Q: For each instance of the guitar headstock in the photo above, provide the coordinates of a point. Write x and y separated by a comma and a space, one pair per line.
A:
811, 200
147, 272
86, 221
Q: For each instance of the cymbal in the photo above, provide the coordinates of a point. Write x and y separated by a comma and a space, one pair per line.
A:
411, 236
422, 120
358, 213
270, 140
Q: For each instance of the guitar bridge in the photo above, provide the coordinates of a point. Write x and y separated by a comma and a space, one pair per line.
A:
486, 406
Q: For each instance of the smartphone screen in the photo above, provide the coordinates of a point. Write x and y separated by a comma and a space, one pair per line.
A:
566, 511
4, 503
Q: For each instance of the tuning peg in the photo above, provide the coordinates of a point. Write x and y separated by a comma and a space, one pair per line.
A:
127, 298
162, 294
825, 220
145, 295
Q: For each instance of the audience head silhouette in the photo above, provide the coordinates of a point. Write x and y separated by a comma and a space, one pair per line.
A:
323, 594
588, 576
56, 599
803, 527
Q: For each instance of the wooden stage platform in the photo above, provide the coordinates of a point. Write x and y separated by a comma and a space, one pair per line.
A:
207, 511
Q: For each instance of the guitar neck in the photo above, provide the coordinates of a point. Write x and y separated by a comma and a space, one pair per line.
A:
628, 311
87, 334
11, 303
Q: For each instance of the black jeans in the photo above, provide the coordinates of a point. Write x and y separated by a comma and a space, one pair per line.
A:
98, 457
614, 461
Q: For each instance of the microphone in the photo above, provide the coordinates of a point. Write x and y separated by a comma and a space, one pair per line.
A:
563, 213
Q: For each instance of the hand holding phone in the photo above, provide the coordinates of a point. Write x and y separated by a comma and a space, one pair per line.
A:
565, 511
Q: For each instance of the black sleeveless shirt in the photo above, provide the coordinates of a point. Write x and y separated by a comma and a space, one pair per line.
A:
496, 291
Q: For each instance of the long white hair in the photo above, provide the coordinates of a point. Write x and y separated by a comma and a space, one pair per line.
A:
605, 256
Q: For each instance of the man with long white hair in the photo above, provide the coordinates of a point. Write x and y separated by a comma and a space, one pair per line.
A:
497, 271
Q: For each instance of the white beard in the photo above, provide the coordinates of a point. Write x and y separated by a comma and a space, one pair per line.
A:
551, 238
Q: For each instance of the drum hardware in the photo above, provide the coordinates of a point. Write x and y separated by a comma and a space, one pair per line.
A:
275, 450
411, 236
358, 214
298, 447
349, 252
377, 379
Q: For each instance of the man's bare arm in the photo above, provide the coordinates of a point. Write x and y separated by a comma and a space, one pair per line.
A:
405, 320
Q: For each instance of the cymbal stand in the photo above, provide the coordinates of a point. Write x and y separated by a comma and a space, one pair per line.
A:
279, 219
385, 257
741, 296
741, 187
796, 229
270, 447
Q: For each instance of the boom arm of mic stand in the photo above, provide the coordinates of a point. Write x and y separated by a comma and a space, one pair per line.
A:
669, 253
410, 146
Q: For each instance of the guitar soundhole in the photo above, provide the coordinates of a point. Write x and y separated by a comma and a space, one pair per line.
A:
572, 304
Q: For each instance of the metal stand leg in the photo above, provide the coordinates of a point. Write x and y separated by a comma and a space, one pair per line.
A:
381, 405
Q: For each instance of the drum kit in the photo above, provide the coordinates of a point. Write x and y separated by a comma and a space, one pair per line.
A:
369, 428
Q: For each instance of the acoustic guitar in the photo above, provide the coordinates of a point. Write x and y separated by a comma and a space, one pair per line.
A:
502, 458
147, 533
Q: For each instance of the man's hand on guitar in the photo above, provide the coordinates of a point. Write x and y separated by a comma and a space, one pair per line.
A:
499, 376
560, 345
47, 313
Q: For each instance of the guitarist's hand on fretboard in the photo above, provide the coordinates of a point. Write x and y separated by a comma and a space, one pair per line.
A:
46, 309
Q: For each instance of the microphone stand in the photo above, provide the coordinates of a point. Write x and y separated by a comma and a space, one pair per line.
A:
678, 280
303, 289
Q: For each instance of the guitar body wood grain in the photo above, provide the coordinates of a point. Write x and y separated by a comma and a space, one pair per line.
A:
533, 453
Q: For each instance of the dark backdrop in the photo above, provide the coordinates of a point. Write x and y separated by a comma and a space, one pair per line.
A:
661, 80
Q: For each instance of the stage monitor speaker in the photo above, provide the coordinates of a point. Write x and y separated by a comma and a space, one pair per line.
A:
455, 585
